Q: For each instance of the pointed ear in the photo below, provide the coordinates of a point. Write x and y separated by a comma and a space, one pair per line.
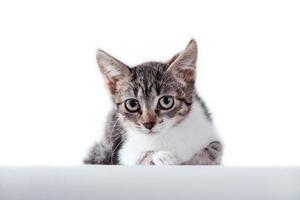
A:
112, 69
183, 64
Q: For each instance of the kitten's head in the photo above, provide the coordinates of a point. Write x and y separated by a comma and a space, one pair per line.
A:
151, 97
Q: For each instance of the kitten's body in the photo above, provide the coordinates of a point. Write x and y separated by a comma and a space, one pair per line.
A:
195, 132
181, 134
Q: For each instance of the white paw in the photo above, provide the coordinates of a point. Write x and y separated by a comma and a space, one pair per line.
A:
164, 158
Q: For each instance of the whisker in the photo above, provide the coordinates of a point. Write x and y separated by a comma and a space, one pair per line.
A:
113, 152
115, 139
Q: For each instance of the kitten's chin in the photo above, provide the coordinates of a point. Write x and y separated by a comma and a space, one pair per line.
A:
150, 132
159, 129
156, 130
144, 131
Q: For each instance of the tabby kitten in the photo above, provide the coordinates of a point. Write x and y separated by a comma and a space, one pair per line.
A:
157, 119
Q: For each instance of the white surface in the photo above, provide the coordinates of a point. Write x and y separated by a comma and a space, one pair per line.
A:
100, 182
52, 98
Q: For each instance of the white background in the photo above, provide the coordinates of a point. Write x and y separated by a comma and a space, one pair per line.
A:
53, 102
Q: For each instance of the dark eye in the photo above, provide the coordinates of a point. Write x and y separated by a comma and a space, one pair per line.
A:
166, 102
132, 105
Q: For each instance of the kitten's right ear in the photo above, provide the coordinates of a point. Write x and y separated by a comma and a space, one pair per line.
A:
112, 69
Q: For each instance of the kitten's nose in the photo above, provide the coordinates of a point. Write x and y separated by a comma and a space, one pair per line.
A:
149, 125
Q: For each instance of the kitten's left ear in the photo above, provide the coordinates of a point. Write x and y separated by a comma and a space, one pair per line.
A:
112, 69
183, 65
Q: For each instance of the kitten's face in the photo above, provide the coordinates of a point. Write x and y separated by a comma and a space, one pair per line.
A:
152, 97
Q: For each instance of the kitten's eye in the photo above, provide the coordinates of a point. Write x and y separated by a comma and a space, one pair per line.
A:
166, 102
132, 105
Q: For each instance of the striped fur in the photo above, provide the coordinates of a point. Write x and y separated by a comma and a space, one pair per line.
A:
128, 141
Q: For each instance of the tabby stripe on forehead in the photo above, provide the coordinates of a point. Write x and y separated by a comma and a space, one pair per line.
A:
148, 90
157, 89
135, 91
185, 101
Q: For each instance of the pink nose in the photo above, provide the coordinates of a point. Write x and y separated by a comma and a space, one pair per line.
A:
149, 125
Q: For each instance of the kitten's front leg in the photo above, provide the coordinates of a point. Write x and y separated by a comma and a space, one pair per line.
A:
157, 158
101, 153
210, 155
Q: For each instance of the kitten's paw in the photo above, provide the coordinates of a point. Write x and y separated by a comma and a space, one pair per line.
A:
212, 153
157, 158
163, 158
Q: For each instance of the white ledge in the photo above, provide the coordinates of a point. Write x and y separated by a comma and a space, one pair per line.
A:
141, 182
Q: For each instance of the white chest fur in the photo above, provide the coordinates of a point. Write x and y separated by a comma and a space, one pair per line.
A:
184, 140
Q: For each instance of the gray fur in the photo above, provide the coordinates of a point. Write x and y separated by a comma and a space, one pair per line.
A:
106, 151
211, 155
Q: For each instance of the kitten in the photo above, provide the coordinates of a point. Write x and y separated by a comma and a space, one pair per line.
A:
157, 119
